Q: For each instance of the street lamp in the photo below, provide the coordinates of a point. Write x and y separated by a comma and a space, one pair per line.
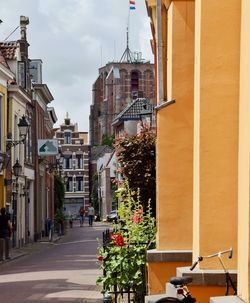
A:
17, 169
23, 127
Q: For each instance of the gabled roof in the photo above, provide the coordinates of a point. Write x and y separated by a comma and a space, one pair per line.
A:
99, 151
44, 90
134, 111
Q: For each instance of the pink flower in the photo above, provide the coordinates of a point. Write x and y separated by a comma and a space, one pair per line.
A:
136, 219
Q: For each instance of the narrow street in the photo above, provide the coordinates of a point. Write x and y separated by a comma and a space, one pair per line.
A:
64, 271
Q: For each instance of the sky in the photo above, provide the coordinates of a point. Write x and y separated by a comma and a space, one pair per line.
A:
74, 38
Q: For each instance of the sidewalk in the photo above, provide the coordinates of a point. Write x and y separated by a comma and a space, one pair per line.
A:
30, 248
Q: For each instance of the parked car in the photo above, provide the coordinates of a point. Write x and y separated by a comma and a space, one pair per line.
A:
112, 216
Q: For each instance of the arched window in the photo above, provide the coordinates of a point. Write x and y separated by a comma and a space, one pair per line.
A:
134, 83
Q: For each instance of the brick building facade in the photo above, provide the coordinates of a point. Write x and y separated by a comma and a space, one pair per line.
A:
74, 151
117, 85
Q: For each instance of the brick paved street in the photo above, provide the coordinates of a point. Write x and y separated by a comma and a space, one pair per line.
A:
63, 271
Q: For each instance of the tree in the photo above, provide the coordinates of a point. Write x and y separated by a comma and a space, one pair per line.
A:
108, 140
94, 192
59, 193
136, 158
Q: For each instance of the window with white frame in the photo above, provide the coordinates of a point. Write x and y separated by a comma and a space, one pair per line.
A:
79, 183
69, 185
79, 161
67, 137
67, 162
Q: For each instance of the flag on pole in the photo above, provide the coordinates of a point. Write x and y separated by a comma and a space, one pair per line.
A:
132, 4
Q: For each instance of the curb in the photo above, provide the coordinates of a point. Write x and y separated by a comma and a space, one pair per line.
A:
17, 253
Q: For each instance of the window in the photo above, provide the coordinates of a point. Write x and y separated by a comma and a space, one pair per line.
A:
67, 162
29, 142
134, 81
67, 138
69, 185
79, 184
22, 74
79, 161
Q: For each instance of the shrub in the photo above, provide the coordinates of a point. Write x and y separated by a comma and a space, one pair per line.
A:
136, 159
123, 260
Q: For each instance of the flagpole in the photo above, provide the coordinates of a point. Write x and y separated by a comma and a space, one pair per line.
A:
127, 56
128, 24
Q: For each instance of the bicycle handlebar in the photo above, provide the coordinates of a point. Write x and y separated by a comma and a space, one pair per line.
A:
195, 263
218, 254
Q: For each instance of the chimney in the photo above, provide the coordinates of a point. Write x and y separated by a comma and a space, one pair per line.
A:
24, 21
23, 65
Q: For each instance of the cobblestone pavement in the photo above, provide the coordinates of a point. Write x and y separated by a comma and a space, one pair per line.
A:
61, 271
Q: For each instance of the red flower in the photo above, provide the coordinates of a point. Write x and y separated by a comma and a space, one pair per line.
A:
100, 258
118, 239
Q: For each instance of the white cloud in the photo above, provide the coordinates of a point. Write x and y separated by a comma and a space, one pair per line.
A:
73, 38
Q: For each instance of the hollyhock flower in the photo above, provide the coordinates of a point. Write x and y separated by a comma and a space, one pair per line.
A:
100, 258
137, 216
118, 239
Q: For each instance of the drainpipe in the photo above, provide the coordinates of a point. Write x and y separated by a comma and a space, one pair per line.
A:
159, 53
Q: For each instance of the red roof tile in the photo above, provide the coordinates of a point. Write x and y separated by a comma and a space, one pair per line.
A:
2, 59
8, 50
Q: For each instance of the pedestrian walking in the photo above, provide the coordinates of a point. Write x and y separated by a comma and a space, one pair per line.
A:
5, 234
91, 213
82, 213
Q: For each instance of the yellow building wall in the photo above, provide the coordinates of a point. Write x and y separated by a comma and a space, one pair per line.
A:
244, 152
175, 134
159, 275
203, 294
221, 145
216, 128
3, 92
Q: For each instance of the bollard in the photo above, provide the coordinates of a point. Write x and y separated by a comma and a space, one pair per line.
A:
107, 298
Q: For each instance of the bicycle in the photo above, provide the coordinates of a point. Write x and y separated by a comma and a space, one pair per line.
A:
179, 284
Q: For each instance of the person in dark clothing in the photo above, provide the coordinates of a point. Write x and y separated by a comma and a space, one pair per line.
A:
82, 213
5, 233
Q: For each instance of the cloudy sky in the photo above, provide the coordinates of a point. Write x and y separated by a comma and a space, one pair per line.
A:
74, 38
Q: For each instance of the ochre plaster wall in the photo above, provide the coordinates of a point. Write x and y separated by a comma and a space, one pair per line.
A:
175, 135
160, 273
216, 128
244, 152
203, 293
